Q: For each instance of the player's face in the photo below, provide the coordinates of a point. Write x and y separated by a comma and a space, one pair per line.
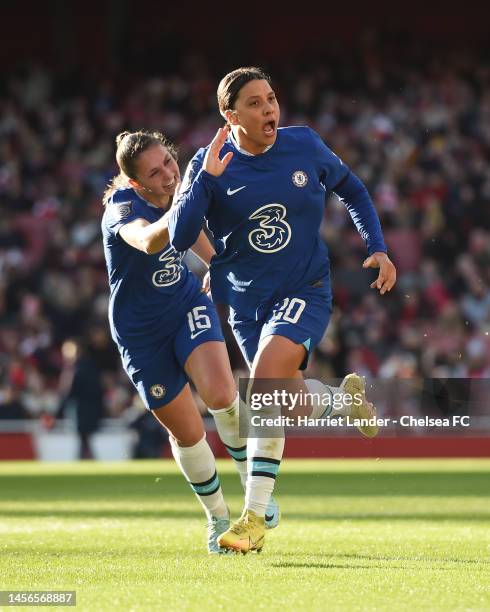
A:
157, 172
256, 115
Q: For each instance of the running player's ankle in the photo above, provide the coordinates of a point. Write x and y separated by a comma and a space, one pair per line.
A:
257, 509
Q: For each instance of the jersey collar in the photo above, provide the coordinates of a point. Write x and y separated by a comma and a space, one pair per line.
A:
145, 201
242, 151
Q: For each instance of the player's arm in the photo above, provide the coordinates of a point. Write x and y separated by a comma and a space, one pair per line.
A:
187, 216
335, 175
145, 236
188, 213
203, 248
353, 193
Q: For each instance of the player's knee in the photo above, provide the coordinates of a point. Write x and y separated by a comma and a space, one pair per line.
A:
188, 438
219, 396
267, 368
280, 358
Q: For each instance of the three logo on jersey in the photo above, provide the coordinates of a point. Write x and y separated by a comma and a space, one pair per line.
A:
172, 270
274, 232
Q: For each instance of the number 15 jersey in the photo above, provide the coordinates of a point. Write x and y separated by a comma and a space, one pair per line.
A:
149, 294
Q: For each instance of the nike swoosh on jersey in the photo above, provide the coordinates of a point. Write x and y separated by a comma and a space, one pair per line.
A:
199, 332
233, 191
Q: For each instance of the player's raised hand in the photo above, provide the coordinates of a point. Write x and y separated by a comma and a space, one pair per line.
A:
387, 271
212, 163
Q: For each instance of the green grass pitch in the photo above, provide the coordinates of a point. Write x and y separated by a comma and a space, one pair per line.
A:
354, 535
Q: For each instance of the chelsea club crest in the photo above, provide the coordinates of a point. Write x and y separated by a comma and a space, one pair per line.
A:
300, 178
158, 391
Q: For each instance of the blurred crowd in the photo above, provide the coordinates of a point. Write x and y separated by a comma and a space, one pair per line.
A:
416, 129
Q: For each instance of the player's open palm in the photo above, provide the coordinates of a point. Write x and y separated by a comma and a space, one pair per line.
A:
212, 163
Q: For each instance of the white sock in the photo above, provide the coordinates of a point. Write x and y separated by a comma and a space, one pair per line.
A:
199, 468
227, 423
328, 407
264, 458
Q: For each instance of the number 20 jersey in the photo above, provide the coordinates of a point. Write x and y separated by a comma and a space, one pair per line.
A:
265, 213
149, 294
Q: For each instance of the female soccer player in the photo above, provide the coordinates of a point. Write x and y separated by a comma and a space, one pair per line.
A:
264, 201
166, 329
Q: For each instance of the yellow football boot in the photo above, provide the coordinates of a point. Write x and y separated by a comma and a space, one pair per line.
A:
246, 534
354, 385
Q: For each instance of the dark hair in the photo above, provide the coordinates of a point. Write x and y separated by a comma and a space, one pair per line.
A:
130, 145
230, 85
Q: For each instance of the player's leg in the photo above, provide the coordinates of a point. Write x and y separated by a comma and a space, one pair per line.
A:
193, 455
247, 334
303, 318
200, 349
163, 387
209, 369
290, 333
292, 328
276, 358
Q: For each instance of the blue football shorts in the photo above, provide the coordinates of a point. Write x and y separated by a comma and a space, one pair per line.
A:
302, 316
157, 370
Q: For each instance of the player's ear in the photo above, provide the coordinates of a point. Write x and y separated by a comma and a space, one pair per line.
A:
134, 183
231, 117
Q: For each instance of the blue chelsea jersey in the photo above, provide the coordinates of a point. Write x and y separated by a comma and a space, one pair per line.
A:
265, 213
148, 293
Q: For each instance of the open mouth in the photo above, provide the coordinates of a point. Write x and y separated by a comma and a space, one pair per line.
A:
270, 128
170, 185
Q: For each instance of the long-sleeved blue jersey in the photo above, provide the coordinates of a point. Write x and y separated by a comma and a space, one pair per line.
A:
149, 294
265, 212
